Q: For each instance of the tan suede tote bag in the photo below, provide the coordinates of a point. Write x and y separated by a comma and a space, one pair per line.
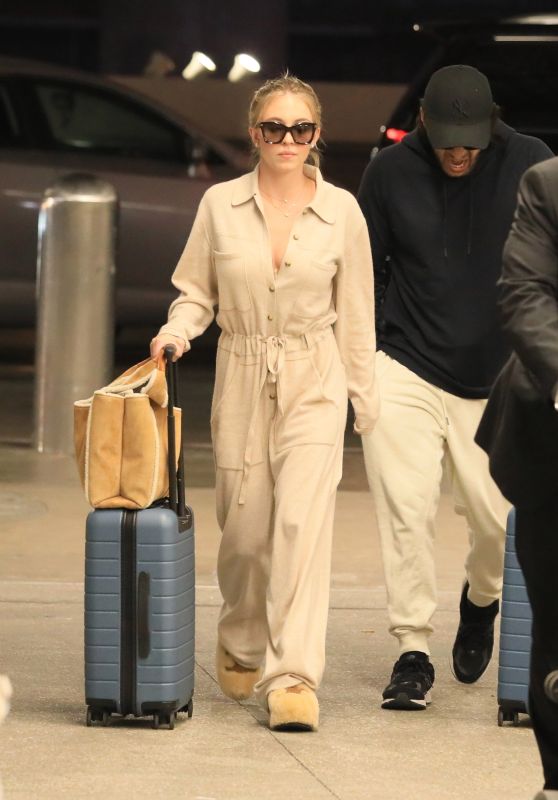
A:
121, 439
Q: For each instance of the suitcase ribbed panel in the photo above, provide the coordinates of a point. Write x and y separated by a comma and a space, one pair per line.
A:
102, 606
166, 555
167, 674
515, 630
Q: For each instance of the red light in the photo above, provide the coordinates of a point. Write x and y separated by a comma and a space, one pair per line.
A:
395, 134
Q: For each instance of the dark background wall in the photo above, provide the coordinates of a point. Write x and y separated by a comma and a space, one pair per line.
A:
353, 40
132, 29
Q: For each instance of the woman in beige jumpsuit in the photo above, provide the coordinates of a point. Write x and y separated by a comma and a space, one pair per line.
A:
286, 258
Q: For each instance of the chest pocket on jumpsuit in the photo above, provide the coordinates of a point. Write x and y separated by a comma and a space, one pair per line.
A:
314, 293
232, 282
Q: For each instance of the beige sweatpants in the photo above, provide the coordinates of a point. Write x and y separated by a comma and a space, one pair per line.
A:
418, 425
275, 556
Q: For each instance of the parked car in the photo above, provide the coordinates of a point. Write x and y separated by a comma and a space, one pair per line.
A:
519, 55
54, 121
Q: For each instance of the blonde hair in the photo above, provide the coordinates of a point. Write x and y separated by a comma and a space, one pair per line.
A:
281, 85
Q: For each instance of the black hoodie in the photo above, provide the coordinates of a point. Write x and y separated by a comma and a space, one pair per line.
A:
437, 245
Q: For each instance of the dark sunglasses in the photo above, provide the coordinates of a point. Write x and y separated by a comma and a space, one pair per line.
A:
275, 132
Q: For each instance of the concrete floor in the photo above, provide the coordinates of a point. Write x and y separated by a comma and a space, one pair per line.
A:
452, 751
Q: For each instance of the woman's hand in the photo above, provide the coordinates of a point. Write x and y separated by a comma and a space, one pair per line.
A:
159, 342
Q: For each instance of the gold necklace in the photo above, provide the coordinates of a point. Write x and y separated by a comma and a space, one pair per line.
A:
282, 210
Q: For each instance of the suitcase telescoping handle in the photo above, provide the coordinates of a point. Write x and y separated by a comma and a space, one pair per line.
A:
177, 498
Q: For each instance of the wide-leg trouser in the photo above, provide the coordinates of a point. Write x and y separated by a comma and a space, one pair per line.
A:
418, 425
275, 556
536, 534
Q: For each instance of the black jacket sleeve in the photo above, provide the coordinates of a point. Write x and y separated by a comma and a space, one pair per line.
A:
373, 207
528, 288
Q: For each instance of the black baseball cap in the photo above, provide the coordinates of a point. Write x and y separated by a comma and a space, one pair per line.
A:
457, 107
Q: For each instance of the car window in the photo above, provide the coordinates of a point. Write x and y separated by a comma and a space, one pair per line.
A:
85, 119
9, 128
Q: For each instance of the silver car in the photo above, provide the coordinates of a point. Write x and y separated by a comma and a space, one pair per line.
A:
54, 121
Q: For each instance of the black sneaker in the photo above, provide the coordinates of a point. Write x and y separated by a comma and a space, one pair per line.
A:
410, 684
473, 645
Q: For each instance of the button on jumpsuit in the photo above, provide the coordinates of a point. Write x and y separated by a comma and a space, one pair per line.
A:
293, 346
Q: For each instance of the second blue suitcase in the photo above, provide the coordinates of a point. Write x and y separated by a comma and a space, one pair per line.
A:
515, 636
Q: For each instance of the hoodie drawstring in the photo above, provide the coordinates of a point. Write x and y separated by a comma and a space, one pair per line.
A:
445, 220
470, 227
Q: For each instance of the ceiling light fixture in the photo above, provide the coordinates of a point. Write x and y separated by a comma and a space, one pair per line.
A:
199, 64
243, 65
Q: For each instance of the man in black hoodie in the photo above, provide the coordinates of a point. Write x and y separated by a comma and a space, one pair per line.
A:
439, 206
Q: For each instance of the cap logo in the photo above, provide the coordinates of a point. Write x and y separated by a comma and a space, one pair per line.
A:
460, 107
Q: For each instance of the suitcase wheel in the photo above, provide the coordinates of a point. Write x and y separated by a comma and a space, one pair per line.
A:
95, 715
507, 716
187, 709
164, 719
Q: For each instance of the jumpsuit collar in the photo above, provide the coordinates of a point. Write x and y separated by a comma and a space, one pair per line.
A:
321, 204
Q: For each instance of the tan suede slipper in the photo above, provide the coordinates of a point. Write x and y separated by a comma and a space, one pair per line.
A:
293, 709
236, 681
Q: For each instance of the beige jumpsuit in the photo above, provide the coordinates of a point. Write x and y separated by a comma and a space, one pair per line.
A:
293, 345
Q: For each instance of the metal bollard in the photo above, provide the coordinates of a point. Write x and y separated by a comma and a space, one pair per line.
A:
75, 317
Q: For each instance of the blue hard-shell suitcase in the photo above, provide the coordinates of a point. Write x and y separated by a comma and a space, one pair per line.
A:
515, 636
139, 604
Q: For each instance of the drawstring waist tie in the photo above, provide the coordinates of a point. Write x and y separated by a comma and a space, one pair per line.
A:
270, 352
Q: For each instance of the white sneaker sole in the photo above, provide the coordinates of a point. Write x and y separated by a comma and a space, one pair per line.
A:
405, 703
